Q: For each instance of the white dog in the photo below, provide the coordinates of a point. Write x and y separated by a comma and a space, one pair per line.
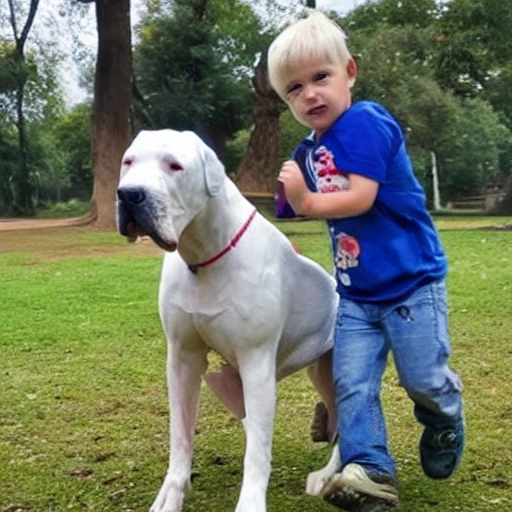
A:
231, 282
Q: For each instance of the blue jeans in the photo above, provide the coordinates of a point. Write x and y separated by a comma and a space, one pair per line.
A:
415, 329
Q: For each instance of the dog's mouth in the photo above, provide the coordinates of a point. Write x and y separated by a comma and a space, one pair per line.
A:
164, 244
133, 231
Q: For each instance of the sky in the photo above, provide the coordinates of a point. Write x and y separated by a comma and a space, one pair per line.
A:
341, 6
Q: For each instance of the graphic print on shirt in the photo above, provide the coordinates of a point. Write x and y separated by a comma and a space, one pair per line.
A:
330, 179
348, 251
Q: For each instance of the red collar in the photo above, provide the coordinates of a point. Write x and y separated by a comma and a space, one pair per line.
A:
232, 244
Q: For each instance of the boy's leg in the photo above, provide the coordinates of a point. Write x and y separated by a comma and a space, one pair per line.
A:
359, 360
418, 333
367, 480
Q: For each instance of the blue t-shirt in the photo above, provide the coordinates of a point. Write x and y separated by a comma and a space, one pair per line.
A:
392, 249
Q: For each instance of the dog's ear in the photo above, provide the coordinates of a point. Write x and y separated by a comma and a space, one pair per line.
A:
214, 172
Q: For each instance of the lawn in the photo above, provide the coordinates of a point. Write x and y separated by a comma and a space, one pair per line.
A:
83, 411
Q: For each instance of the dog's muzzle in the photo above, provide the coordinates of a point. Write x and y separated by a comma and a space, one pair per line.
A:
131, 212
136, 216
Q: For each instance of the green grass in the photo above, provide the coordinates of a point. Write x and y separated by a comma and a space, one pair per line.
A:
83, 411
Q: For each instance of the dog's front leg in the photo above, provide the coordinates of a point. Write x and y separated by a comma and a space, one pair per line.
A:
258, 374
184, 370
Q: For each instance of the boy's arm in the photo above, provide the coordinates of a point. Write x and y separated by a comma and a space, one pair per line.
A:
357, 199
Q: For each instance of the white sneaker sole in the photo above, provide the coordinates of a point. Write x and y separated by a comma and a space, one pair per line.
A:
354, 477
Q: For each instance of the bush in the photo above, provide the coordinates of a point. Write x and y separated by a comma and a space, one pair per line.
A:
71, 208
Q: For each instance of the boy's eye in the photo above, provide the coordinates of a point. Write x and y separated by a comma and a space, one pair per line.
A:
293, 89
320, 76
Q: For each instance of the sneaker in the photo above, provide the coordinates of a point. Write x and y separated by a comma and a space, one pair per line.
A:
357, 490
441, 450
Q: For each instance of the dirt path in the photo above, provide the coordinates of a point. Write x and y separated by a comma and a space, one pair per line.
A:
16, 224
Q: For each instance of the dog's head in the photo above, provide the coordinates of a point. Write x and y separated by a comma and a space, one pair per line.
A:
166, 179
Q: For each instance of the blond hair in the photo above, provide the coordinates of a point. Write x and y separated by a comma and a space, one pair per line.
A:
315, 38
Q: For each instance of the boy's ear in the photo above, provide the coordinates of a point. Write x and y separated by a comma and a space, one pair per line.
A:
351, 72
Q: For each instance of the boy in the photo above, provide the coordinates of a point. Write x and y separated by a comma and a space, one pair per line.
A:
354, 171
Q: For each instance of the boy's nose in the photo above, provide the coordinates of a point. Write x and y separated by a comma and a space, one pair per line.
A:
309, 91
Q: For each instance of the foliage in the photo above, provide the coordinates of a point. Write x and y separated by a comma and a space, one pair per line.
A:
198, 79
499, 92
401, 48
42, 104
83, 410
236, 147
59, 156
399, 13
62, 210
473, 156
73, 139
291, 133
444, 69
472, 44
12, 72
9, 158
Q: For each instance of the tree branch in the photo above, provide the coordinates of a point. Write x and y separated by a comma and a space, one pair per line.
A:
13, 20
30, 20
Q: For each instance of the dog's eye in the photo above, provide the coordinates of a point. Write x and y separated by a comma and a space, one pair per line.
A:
127, 161
174, 166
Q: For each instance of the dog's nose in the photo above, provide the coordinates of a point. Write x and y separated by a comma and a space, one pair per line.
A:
131, 195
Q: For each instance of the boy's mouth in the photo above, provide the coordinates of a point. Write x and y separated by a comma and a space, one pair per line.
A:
317, 111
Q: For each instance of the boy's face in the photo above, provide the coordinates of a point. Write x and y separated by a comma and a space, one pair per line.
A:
318, 94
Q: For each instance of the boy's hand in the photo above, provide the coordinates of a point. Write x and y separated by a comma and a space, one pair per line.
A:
295, 187
356, 200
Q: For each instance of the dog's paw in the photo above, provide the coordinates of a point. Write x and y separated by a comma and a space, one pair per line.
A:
171, 496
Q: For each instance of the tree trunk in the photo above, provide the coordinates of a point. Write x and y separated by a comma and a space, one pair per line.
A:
111, 130
23, 190
259, 168
24, 204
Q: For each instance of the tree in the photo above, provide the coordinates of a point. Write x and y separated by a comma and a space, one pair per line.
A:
62, 149
197, 79
111, 130
397, 13
472, 44
9, 158
21, 180
258, 169
41, 107
72, 134
471, 158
